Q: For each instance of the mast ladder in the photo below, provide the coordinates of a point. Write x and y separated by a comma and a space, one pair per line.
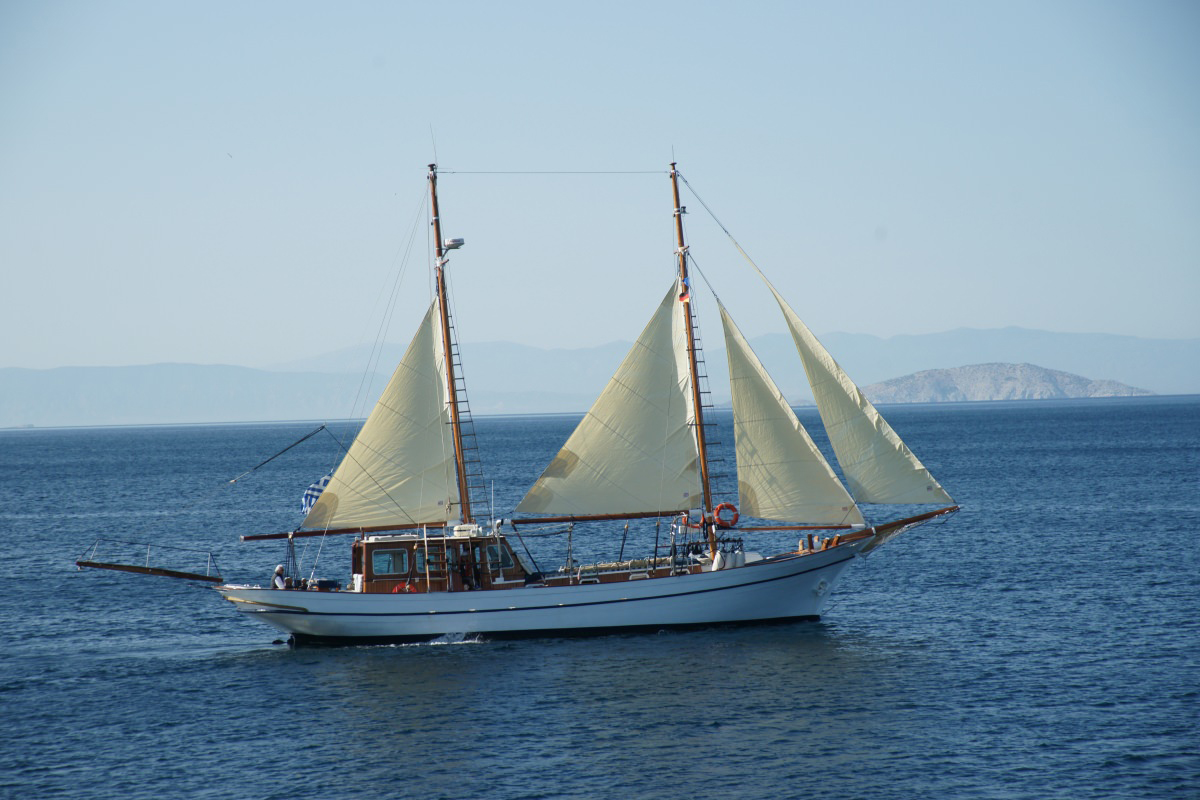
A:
710, 426
476, 482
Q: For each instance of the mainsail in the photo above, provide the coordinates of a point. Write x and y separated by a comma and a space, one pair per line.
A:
400, 469
635, 451
877, 465
781, 474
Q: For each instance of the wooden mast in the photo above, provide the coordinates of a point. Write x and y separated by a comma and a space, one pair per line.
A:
685, 298
451, 385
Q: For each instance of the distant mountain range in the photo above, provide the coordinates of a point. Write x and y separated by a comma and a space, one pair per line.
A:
505, 378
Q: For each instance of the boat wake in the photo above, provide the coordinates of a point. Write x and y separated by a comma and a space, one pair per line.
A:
450, 638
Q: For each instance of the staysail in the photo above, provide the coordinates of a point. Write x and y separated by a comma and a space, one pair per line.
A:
781, 473
635, 450
877, 465
400, 470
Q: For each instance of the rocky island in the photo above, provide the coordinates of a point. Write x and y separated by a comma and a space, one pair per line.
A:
994, 382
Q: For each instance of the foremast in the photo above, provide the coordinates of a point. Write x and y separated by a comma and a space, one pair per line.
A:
460, 464
693, 367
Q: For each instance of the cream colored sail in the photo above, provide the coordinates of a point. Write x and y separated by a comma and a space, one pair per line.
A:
635, 451
400, 468
877, 465
781, 473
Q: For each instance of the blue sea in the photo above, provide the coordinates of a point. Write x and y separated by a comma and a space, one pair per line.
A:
1044, 642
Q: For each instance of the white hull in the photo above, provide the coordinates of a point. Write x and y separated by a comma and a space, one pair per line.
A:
781, 588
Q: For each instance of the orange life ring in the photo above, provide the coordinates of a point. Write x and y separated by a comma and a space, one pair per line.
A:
401, 588
721, 523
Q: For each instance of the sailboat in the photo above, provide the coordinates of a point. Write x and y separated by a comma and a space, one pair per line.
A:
427, 561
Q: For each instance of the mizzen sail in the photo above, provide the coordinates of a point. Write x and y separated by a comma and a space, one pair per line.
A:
781, 473
400, 469
635, 450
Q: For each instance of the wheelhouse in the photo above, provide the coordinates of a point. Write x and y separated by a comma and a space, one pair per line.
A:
456, 562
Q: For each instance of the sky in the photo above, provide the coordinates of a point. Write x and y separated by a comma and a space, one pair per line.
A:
241, 183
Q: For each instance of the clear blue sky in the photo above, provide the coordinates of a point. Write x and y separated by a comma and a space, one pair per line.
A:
220, 182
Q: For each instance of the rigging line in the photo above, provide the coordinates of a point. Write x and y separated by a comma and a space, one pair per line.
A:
721, 225
666, 418
717, 478
454, 451
377, 347
539, 535
431, 248
385, 319
366, 472
277, 455
706, 383
520, 538
312, 573
477, 458
712, 289
223, 486
461, 376
553, 172
390, 308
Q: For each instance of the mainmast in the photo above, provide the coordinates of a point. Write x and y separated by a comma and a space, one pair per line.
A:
460, 464
685, 298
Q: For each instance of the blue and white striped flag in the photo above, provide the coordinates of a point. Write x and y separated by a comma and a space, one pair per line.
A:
313, 492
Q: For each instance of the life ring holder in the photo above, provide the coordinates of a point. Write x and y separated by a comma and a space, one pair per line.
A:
721, 522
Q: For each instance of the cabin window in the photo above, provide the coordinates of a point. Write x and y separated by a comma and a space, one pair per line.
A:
498, 558
389, 562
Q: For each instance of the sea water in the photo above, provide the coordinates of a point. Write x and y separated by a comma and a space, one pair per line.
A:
1044, 642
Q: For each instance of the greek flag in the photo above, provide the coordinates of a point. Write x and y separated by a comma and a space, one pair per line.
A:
313, 492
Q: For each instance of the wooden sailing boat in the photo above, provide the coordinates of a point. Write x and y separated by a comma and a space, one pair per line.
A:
424, 567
